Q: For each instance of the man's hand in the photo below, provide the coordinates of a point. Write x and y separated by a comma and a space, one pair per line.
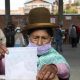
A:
3, 51
47, 72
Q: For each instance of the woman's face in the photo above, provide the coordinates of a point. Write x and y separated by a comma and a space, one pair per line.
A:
40, 37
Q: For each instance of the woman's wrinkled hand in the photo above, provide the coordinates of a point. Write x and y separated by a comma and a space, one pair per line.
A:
47, 72
3, 51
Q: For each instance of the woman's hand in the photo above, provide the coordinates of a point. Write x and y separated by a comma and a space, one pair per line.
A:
47, 72
3, 51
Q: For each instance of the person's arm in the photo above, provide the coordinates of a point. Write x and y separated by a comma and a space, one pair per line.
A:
63, 70
56, 59
62, 65
48, 72
3, 51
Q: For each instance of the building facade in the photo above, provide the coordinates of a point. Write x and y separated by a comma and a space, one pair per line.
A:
37, 3
19, 11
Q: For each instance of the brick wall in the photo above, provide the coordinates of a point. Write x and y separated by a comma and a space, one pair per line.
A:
19, 19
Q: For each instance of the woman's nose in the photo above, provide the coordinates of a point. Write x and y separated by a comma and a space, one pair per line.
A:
39, 42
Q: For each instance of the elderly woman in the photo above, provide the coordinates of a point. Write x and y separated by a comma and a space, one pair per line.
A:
51, 65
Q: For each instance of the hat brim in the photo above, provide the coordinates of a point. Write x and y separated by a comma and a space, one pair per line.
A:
38, 25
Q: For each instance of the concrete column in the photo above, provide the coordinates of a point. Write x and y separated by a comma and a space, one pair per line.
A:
7, 12
60, 12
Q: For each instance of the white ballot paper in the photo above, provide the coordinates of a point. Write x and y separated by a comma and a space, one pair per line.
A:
21, 63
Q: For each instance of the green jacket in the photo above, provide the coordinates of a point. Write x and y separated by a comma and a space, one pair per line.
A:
52, 57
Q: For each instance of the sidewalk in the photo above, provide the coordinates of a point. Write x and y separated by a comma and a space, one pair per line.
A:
73, 57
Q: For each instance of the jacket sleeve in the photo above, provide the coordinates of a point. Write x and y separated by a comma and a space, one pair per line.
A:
63, 70
55, 58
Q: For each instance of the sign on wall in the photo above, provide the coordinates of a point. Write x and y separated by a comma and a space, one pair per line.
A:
52, 20
68, 17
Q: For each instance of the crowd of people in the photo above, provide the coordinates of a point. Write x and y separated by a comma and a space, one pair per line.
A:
40, 33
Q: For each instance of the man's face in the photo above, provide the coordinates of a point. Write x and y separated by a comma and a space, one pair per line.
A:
40, 37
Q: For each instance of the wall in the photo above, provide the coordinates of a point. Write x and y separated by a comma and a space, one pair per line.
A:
20, 19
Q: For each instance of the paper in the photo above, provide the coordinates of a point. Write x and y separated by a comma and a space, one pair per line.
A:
21, 63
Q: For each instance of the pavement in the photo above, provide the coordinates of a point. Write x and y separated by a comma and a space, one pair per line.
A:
72, 55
